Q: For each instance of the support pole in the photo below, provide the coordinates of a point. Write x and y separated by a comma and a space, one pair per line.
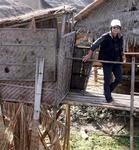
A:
38, 91
95, 74
66, 145
63, 25
38, 87
132, 105
72, 24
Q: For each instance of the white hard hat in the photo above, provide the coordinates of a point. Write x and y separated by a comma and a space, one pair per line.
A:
115, 22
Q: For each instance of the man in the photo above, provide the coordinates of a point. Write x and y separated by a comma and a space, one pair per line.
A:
111, 49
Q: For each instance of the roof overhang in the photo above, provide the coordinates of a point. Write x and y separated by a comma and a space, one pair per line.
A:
37, 15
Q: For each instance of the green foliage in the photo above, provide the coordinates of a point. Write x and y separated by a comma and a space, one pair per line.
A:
102, 120
96, 142
78, 143
109, 143
137, 139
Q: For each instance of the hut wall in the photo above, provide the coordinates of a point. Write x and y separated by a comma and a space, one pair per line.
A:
17, 62
19, 50
51, 23
23, 46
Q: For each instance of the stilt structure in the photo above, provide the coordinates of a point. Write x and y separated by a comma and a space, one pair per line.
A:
31, 104
121, 101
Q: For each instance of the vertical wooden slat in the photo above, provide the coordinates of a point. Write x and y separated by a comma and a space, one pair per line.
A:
38, 91
132, 105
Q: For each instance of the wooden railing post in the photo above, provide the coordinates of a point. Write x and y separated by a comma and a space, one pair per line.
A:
132, 104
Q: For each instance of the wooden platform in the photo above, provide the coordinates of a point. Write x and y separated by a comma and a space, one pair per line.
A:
121, 101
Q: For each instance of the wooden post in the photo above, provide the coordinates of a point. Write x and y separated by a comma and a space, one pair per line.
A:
67, 129
68, 125
72, 24
63, 25
38, 91
33, 25
38, 88
2, 126
132, 105
39, 4
95, 74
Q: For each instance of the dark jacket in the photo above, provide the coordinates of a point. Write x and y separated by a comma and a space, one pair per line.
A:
111, 49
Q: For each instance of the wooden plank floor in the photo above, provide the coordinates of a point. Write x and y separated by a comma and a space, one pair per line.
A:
121, 101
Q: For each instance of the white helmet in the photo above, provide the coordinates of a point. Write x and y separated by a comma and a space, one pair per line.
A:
115, 22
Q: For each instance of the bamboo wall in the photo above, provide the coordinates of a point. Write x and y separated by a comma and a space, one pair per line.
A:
19, 50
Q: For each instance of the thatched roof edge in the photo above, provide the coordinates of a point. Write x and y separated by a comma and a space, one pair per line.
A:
38, 14
84, 12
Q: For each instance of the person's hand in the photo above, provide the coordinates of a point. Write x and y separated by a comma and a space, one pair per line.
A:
86, 57
124, 58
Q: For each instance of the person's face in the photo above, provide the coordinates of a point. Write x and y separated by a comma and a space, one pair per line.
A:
116, 30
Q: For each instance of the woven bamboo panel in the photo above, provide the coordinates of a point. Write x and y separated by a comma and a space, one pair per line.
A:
19, 49
25, 92
65, 65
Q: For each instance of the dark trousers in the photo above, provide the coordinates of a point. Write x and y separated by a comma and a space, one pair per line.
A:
110, 85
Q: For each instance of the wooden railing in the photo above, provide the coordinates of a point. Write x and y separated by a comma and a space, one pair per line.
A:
133, 63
